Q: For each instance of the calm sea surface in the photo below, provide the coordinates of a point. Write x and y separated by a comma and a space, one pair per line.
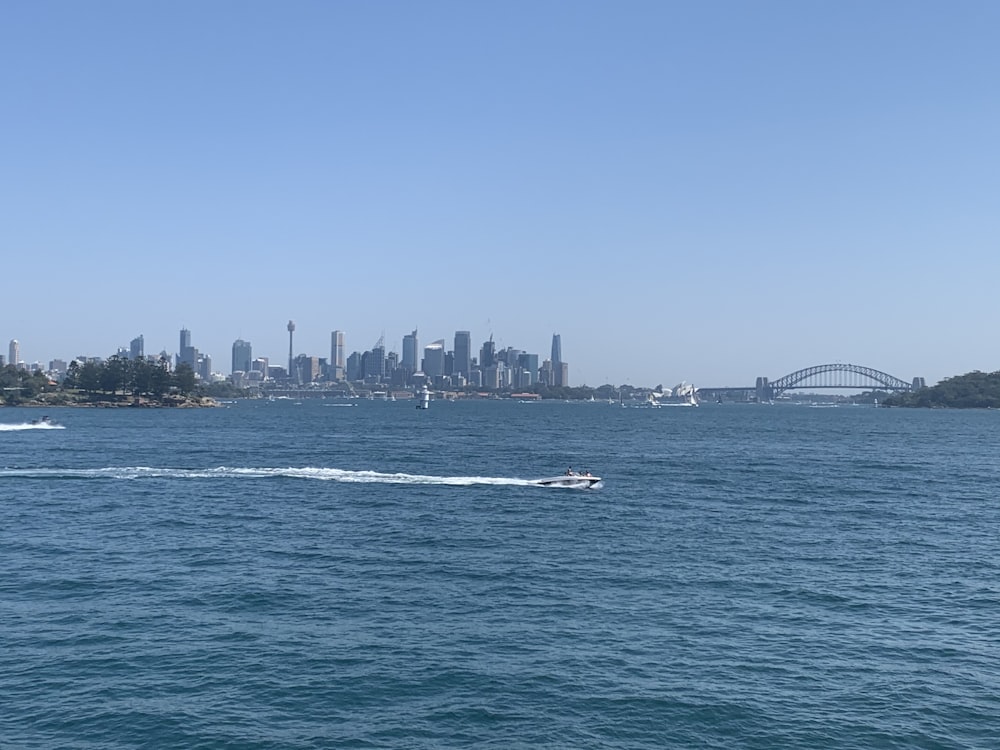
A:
274, 575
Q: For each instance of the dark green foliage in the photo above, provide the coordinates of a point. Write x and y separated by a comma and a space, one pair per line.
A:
19, 386
974, 390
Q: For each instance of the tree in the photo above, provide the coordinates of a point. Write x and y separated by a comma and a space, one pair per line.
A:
184, 380
89, 377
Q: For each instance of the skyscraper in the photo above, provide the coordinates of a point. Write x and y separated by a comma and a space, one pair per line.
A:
337, 355
242, 356
291, 362
15, 353
136, 348
560, 370
410, 349
187, 355
463, 353
487, 354
434, 359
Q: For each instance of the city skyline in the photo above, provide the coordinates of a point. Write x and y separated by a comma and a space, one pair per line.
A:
686, 192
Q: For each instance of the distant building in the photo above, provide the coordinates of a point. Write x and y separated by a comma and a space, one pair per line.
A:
560, 374
242, 356
463, 353
353, 368
337, 356
187, 355
14, 350
204, 369
528, 364
136, 348
291, 331
410, 348
434, 359
545, 373
307, 369
487, 354
376, 365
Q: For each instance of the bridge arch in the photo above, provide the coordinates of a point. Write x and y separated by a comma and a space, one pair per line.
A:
838, 376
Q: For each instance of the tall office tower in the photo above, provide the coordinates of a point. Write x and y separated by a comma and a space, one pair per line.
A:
557, 370
410, 344
136, 348
434, 359
291, 363
353, 368
337, 355
529, 364
563, 374
15, 352
377, 362
187, 355
205, 367
307, 368
463, 353
3, 361
545, 373
242, 356
487, 355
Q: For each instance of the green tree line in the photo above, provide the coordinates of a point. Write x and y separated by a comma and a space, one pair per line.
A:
135, 377
974, 390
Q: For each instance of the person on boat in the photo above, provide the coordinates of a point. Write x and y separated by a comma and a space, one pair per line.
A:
569, 471
586, 473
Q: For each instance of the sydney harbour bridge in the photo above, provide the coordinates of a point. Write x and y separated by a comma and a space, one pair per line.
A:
838, 376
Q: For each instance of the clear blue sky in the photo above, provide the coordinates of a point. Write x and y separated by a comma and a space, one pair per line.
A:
685, 191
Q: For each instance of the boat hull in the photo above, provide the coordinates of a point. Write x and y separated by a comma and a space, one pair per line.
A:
574, 481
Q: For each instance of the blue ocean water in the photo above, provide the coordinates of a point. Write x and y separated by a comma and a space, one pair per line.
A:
317, 575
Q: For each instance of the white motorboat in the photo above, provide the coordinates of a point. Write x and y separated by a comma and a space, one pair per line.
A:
571, 481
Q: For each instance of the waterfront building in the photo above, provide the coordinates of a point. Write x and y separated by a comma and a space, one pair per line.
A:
14, 350
242, 356
136, 348
463, 353
337, 355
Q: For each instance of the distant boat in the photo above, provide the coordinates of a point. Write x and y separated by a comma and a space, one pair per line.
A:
571, 481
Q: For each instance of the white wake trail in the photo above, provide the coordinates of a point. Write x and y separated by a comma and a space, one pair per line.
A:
227, 472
